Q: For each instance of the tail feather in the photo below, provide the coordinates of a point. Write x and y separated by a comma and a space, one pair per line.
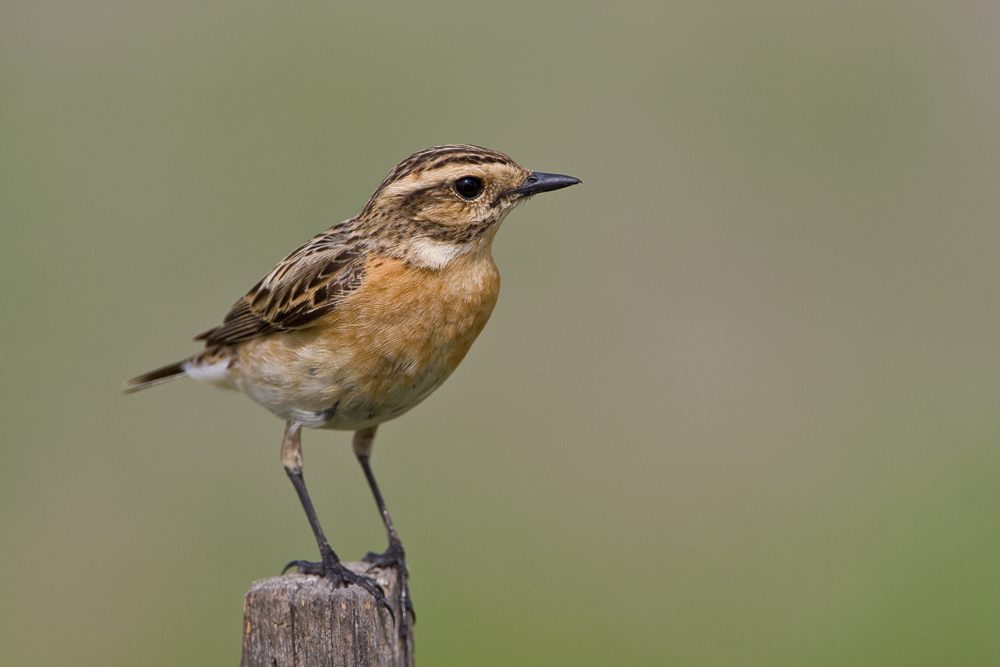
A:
155, 377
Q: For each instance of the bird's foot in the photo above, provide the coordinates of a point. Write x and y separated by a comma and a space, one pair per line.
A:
395, 558
338, 575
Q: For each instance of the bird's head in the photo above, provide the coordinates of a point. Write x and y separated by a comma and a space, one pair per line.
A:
452, 198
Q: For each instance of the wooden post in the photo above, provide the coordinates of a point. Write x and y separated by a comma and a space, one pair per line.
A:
300, 620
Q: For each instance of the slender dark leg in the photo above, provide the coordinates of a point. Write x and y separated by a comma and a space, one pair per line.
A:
330, 566
394, 556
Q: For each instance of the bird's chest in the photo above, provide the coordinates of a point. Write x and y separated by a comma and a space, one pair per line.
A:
389, 344
416, 325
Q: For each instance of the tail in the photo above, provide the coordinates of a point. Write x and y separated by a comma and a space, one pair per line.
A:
155, 377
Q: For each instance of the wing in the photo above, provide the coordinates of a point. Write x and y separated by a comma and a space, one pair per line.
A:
302, 287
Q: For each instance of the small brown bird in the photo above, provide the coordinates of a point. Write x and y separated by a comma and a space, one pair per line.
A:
365, 320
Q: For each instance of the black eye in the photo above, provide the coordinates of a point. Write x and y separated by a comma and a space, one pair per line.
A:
469, 187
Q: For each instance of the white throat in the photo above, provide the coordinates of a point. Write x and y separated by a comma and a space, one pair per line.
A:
437, 254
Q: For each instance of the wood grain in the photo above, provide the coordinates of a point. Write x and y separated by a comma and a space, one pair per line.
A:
301, 621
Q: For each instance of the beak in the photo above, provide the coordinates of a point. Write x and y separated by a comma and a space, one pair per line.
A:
539, 182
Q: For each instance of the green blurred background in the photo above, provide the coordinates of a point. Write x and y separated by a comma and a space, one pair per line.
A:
737, 404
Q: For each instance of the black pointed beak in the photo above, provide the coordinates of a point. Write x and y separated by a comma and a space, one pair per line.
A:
539, 182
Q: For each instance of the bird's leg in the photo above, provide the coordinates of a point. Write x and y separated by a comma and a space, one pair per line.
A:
364, 441
394, 556
330, 566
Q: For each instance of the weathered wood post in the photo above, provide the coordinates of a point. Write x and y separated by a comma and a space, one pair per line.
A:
301, 621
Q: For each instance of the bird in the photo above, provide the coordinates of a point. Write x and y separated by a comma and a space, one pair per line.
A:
365, 320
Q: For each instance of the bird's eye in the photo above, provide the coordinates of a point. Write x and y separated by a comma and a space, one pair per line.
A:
469, 187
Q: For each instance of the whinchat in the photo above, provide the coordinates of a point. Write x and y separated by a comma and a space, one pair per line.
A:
365, 320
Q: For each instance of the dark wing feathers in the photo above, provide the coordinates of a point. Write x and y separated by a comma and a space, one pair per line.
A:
302, 287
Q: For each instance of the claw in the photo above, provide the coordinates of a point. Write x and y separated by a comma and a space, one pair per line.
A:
304, 567
338, 575
341, 576
395, 558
